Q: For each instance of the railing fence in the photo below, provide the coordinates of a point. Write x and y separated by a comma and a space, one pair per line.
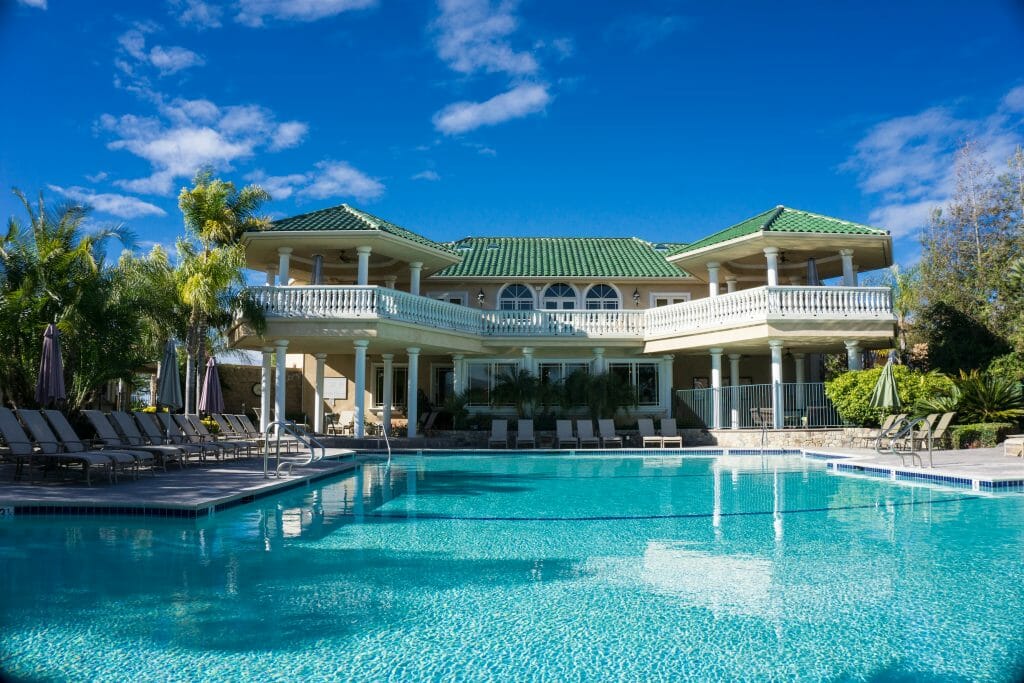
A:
798, 405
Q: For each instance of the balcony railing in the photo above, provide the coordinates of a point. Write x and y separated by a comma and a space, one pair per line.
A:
787, 405
752, 305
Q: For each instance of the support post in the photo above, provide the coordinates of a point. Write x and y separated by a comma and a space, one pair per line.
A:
283, 258
712, 278
388, 392
528, 360
734, 389
282, 378
716, 388
318, 399
415, 268
271, 276
411, 399
730, 284
363, 270
360, 372
598, 362
778, 407
848, 276
458, 369
771, 255
853, 359
268, 351
665, 383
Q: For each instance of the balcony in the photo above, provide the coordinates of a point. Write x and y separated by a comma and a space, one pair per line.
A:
760, 305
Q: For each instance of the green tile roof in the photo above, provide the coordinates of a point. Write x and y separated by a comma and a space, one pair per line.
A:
568, 257
782, 219
345, 217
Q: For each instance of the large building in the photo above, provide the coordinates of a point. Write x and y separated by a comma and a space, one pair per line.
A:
381, 313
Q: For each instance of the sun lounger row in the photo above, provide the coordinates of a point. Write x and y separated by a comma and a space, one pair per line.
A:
583, 436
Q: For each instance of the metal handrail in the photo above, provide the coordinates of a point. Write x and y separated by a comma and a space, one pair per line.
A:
290, 427
904, 430
384, 431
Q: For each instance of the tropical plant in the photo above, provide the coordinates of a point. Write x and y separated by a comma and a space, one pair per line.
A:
455, 405
520, 388
979, 397
217, 212
604, 393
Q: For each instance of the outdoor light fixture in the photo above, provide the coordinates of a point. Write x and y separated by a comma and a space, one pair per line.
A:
480, 297
636, 297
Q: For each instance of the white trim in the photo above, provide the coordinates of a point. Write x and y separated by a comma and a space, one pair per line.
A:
372, 381
683, 296
542, 295
448, 294
502, 288
613, 287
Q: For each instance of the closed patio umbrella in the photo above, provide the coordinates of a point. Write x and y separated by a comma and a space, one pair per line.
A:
168, 391
212, 398
885, 395
50, 384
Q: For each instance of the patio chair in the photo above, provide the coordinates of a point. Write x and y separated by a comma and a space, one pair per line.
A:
175, 435
564, 435
39, 424
889, 428
1013, 447
24, 449
585, 433
669, 433
192, 435
134, 438
648, 438
524, 434
606, 430
228, 440
150, 426
499, 433
249, 429
940, 429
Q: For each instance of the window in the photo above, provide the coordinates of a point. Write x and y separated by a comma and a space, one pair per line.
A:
515, 298
602, 297
444, 383
457, 298
399, 386
481, 378
556, 373
560, 296
660, 299
642, 376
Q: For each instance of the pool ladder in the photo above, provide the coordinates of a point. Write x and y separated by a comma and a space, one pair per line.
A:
900, 439
300, 436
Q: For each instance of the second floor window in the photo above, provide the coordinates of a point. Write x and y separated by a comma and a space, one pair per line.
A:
602, 297
515, 298
559, 296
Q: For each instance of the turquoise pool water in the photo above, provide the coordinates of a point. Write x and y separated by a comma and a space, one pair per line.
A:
533, 568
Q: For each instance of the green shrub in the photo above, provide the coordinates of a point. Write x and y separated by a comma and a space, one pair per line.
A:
1011, 365
211, 425
851, 391
979, 398
980, 435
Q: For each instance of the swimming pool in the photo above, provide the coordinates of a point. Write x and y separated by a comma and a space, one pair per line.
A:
524, 567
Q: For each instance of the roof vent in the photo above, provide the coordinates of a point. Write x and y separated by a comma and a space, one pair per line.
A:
492, 245
660, 247
465, 246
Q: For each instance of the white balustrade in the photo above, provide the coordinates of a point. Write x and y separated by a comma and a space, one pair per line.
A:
749, 305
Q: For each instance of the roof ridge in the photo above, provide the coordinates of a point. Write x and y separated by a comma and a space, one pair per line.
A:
833, 218
776, 212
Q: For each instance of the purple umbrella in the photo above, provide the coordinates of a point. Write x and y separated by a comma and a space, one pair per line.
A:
50, 385
212, 398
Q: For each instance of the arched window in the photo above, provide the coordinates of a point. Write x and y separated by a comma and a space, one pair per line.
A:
602, 297
559, 296
515, 298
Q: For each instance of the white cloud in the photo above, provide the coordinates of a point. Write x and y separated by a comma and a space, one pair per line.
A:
645, 31
328, 179
520, 101
473, 36
427, 175
198, 13
97, 177
907, 162
118, 205
254, 12
192, 134
38, 4
166, 60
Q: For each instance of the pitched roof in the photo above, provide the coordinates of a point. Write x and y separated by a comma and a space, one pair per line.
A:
782, 219
568, 257
345, 217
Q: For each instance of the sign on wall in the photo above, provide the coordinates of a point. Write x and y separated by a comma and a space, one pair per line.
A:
335, 388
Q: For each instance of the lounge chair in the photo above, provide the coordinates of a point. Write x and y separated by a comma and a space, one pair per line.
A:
499, 434
524, 434
564, 435
585, 433
606, 430
149, 424
250, 430
940, 427
192, 435
648, 438
174, 435
122, 454
892, 425
1013, 447
226, 440
669, 433
23, 449
134, 438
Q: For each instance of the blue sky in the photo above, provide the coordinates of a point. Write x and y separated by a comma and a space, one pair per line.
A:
666, 120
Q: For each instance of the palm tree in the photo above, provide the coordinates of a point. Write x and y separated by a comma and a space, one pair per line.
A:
906, 299
218, 213
520, 388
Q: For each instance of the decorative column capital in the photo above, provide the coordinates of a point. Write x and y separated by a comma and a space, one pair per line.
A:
281, 344
364, 249
771, 251
284, 250
716, 351
413, 351
735, 356
320, 356
846, 253
387, 357
361, 343
415, 265
458, 356
776, 344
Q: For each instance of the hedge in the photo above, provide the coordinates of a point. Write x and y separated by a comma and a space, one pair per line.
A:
851, 391
981, 435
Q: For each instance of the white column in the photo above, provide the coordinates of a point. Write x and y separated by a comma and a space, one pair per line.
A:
390, 281
778, 409
271, 275
800, 376
388, 396
712, 278
316, 277
360, 371
665, 383
190, 378
716, 388
363, 271
528, 360
598, 363
265, 389
458, 369
414, 371
282, 378
849, 279
771, 255
415, 268
283, 258
318, 397
853, 359
734, 389
730, 284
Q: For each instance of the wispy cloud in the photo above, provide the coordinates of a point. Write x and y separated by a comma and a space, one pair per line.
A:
906, 163
122, 206
427, 175
644, 31
198, 14
254, 13
166, 60
473, 35
327, 179
38, 4
522, 100
191, 134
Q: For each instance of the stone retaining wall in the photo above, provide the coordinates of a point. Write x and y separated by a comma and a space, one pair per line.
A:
782, 438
